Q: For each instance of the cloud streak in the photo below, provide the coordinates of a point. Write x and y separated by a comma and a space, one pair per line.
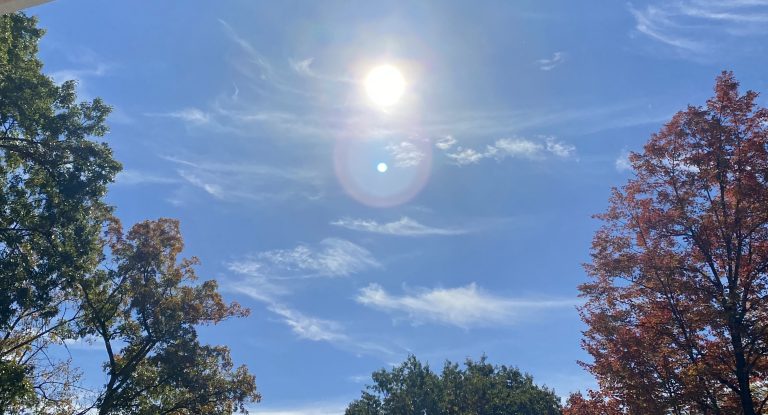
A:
309, 328
701, 27
190, 115
303, 326
513, 148
250, 182
331, 258
134, 177
405, 226
463, 307
551, 63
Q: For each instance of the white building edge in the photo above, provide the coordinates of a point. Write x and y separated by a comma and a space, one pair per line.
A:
10, 6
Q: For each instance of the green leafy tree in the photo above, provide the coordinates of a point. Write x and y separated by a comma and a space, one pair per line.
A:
144, 310
478, 388
61, 280
52, 182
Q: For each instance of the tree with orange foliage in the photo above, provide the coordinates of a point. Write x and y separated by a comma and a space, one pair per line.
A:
677, 302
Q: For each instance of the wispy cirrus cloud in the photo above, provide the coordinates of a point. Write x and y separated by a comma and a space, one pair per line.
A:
513, 148
251, 182
698, 28
307, 327
84, 63
133, 177
302, 325
263, 277
191, 115
551, 63
405, 226
301, 104
302, 67
331, 257
463, 307
80, 75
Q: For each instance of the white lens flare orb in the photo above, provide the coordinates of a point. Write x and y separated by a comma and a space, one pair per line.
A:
366, 178
385, 85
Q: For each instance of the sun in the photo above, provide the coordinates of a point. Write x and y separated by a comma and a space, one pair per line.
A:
385, 85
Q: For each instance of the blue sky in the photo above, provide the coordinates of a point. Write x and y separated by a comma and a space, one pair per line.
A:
249, 122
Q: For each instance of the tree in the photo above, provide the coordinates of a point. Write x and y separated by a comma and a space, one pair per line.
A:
479, 388
143, 311
52, 183
677, 303
60, 279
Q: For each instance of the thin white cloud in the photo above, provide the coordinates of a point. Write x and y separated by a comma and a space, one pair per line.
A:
551, 63
258, 285
464, 307
304, 326
258, 67
270, 276
253, 56
560, 149
212, 189
445, 143
332, 257
405, 153
701, 27
463, 156
191, 115
405, 226
309, 328
86, 343
79, 75
513, 148
622, 163
132, 177
302, 67
250, 182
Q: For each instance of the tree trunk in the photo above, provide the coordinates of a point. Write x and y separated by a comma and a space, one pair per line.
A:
742, 375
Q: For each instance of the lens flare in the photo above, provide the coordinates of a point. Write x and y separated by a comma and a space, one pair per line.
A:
404, 179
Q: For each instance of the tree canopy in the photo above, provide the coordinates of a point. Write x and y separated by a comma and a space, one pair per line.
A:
478, 388
52, 182
143, 310
676, 305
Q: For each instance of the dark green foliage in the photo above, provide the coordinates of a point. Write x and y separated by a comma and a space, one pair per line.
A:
478, 388
52, 183
57, 282
14, 385
52, 177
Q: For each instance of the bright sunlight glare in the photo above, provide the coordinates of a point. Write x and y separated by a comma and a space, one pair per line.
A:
382, 167
385, 85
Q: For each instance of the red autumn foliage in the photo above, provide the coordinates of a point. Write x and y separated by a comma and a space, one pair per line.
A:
677, 301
